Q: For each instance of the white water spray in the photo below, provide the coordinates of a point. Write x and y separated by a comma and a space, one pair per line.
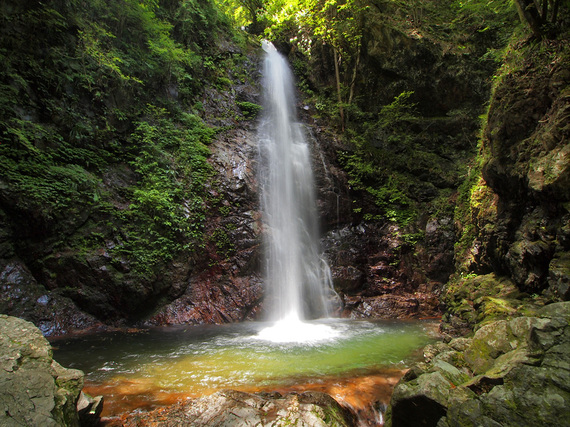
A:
298, 278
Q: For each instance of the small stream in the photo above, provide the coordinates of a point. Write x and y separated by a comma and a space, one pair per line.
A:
358, 362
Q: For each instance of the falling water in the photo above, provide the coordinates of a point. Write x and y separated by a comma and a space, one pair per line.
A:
298, 278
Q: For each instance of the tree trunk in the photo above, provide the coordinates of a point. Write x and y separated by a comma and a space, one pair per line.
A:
529, 14
555, 11
353, 81
337, 76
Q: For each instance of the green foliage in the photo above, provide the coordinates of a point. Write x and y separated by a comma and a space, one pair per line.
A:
399, 112
252, 14
92, 93
167, 210
43, 185
249, 109
222, 242
372, 168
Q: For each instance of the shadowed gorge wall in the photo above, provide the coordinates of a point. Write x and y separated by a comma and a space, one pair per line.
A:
108, 198
129, 190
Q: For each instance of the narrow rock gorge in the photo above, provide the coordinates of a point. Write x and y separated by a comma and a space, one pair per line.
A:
438, 133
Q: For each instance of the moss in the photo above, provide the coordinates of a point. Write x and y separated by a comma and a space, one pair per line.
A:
491, 309
476, 215
478, 300
460, 295
458, 360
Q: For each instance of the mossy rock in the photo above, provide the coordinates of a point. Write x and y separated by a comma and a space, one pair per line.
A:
514, 372
559, 276
34, 389
480, 299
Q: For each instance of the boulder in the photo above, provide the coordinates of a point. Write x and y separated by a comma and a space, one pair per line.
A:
513, 372
35, 390
233, 408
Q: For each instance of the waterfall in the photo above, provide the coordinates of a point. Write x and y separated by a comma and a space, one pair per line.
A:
298, 280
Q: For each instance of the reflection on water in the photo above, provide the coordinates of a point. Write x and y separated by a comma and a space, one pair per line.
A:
358, 363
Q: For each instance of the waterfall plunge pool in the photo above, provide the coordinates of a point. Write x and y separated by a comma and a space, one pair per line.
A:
357, 362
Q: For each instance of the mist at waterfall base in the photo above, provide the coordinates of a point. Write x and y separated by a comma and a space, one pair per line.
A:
298, 347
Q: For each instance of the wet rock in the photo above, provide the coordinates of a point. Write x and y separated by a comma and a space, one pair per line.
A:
439, 242
213, 299
89, 409
334, 198
22, 296
225, 408
34, 389
348, 278
375, 274
512, 372
390, 306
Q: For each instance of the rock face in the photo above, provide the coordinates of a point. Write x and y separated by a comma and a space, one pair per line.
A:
517, 223
512, 263
375, 274
34, 389
510, 373
233, 408
65, 272
225, 284
21, 294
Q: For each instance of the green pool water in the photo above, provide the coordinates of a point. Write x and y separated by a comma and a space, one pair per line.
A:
192, 357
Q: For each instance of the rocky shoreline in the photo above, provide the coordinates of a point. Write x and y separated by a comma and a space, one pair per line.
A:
512, 371
35, 390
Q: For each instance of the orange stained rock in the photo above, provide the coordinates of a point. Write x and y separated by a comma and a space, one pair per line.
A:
359, 393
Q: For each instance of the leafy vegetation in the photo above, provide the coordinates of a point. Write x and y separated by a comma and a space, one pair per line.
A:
167, 210
541, 16
108, 83
249, 109
393, 156
371, 168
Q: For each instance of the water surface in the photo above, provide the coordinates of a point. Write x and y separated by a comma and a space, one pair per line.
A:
144, 369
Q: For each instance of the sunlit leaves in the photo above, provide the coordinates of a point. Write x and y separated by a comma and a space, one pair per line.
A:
97, 45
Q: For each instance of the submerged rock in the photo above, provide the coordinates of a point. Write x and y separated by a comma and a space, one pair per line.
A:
233, 408
35, 390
